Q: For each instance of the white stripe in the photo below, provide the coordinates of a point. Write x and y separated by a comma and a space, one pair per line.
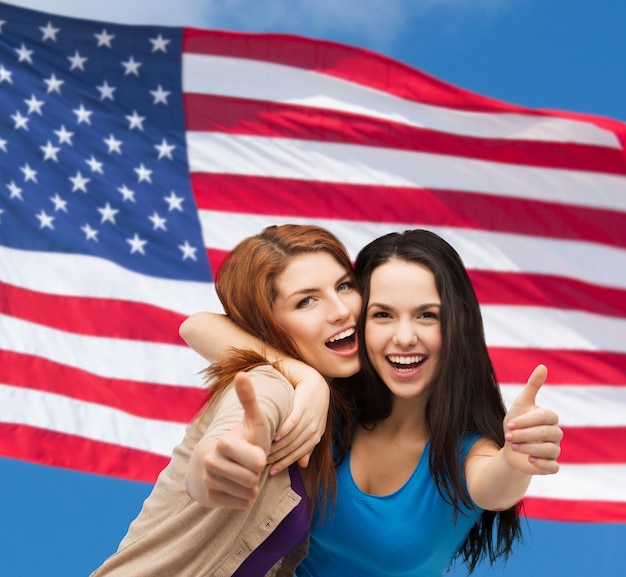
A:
481, 250
578, 406
582, 482
212, 152
257, 80
70, 416
74, 275
112, 358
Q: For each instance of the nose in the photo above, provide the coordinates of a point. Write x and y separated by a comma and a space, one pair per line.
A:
405, 334
338, 311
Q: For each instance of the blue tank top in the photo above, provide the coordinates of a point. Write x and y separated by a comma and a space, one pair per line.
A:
407, 533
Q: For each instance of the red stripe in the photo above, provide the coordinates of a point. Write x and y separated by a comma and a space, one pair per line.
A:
212, 113
285, 197
153, 401
575, 511
593, 445
565, 367
77, 453
92, 316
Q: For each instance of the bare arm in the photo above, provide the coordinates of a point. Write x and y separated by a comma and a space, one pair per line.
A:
497, 478
212, 335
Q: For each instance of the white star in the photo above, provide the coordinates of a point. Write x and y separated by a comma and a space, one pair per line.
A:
157, 221
83, 114
16, 191
159, 43
64, 135
34, 105
50, 152
131, 67
104, 38
2, 23
106, 91
59, 203
95, 165
77, 61
45, 220
29, 173
174, 201
90, 233
136, 244
1, 211
127, 193
143, 173
5, 75
79, 182
135, 121
20, 121
24, 54
160, 95
113, 144
54, 84
108, 213
3, 144
49, 32
164, 149
188, 251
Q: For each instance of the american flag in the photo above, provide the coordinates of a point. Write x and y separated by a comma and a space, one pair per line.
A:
134, 158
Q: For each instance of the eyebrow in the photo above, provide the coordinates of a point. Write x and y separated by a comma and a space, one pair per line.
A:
417, 308
302, 291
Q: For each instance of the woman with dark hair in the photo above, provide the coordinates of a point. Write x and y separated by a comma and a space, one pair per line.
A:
436, 466
294, 288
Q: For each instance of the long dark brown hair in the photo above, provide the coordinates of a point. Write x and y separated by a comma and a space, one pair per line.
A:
464, 396
246, 287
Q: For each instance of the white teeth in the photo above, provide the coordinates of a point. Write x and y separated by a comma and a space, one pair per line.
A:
343, 335
406, 360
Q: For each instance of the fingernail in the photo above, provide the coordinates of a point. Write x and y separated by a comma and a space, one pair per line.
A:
273, 472
515, 446
277, 438
508, 437
532, 459
511, 426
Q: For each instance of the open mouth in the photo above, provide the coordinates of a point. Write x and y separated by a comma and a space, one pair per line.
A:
406, 364
343, 341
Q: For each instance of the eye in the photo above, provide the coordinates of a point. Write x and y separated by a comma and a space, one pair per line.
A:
344, 286
429, 315
305, 302
381, 315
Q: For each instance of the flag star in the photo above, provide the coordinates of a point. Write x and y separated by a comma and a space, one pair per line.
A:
106, 91
188, 251
164, 149
160, 95
143, 173
34, 105
83, 114
59, 203
136, 244
159, 43
24, 54
127, 193
20, 121
64, 135
104, 38
1, 211
3, 144
29, 173
5, 75
113, 144
131, 67
90, 233
45, 220
77, 61
2, 23
54, 84
49, 32
135, 121
108, 213
175, 202
95, 165
16, 191
50, 152
79, 182
157, 221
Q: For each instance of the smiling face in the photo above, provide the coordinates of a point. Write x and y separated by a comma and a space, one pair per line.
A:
402, 327
317, 304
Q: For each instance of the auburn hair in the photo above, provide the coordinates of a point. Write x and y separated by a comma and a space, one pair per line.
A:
246, 287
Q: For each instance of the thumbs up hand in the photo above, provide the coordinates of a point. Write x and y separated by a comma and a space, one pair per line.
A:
532, 434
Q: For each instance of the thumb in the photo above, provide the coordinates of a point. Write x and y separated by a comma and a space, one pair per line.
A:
527, 396
255, 422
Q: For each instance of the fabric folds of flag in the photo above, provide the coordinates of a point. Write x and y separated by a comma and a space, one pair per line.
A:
135, 158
